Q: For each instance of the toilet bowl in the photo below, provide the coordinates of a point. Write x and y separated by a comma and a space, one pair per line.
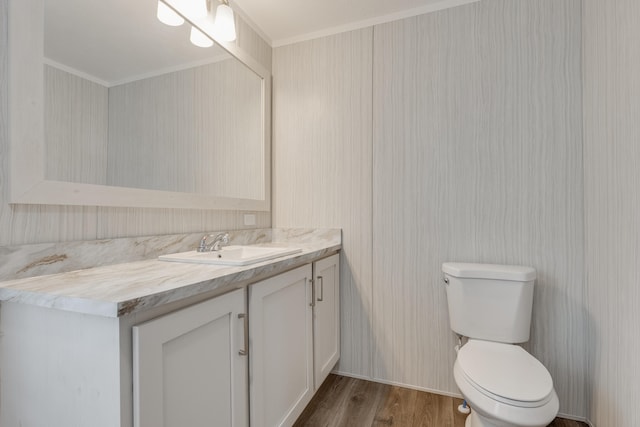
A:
504, 385
491, 305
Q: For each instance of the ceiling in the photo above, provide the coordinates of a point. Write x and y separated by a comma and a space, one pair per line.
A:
287, 21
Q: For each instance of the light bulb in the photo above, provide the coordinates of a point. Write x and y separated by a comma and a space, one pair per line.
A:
199, 39
168, 16
224, 24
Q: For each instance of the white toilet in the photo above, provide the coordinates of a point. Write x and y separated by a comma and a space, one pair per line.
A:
504, 385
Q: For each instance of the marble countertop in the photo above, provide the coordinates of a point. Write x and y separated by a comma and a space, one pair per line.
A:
120, 289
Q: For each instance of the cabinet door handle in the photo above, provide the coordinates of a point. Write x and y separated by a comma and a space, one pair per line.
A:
321, 297
313, 293
245, 350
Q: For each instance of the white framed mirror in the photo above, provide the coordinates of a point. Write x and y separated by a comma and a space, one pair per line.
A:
190, 130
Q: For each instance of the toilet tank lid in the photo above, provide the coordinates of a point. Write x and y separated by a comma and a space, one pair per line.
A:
489, 271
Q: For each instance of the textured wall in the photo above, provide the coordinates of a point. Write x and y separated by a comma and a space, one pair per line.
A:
612, 207
322, 164
76, 116
475, 155
196, 131
20, 224
477, 151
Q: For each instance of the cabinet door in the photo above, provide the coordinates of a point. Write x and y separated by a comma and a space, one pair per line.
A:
281, 352
326, 319
187, 366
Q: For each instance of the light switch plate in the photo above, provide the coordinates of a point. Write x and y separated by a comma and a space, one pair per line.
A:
249, 219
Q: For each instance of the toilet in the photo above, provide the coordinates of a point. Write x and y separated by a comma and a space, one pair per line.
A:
504, 385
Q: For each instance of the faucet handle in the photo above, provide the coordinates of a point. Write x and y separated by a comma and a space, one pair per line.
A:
203, 243
218, 240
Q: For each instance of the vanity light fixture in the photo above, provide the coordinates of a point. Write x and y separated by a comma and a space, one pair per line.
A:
168, 16
224, 24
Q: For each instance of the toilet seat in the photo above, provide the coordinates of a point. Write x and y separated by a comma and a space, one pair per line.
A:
505, 373
498, 413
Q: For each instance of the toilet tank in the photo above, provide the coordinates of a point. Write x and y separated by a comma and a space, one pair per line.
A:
489, 301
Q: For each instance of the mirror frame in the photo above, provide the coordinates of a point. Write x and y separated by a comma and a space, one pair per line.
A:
27, 181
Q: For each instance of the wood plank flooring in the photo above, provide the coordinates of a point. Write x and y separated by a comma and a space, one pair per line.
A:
349, 402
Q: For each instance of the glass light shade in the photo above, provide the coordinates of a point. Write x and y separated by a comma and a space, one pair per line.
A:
199, 39
224, 24
167, 16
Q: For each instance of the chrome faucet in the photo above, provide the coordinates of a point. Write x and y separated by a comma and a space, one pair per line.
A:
215, 245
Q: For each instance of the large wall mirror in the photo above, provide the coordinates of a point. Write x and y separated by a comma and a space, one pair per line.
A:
111, 107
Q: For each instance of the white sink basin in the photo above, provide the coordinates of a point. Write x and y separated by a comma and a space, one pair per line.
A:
232, 255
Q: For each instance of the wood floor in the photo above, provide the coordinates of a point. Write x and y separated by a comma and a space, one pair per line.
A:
348, 402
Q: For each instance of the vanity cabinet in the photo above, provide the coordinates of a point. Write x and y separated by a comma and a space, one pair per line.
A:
184, 362
326, 317
294, 331
281, 352
190, 366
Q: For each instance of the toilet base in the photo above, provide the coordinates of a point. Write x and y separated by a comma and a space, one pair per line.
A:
476, 420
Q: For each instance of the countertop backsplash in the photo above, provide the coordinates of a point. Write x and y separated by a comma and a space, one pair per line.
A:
25, 261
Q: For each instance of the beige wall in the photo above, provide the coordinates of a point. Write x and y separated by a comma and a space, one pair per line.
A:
612, 207
21, 224
452, 136
76, 123
322, 158
477, 152
196, 131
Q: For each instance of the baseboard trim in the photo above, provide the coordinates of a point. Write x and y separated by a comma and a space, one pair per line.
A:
576, 418
398, 384
440, 392
413, 387
350, 375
